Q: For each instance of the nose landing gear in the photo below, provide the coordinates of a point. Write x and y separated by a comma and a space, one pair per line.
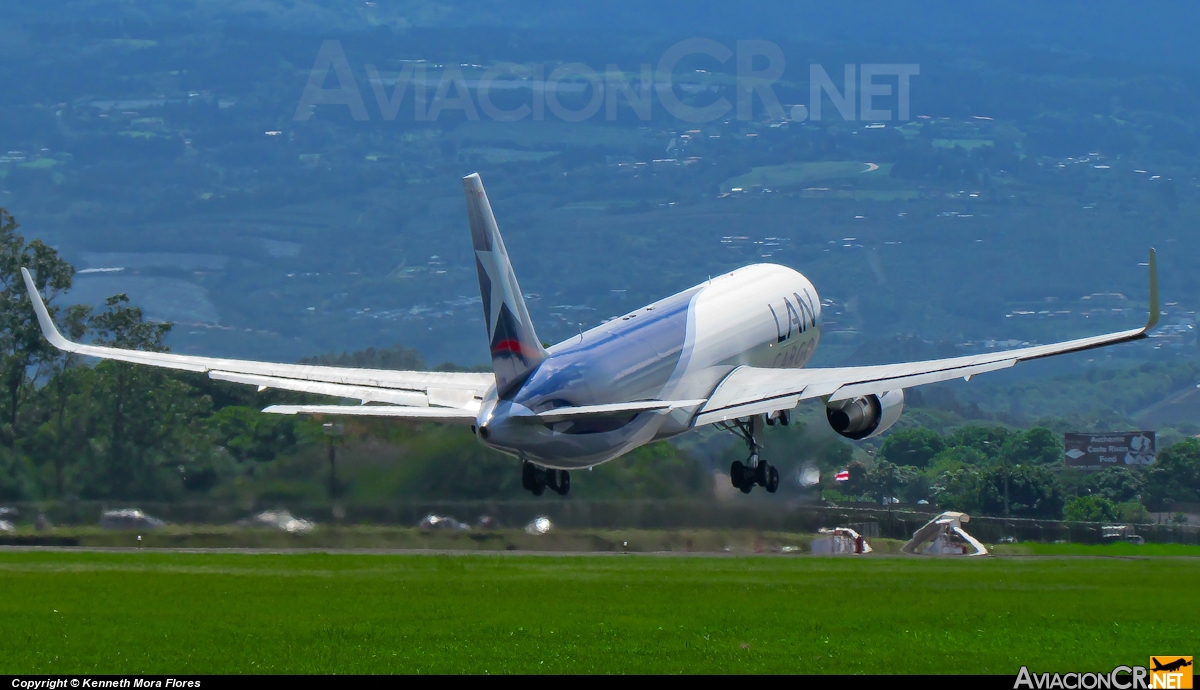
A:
536, 479
744, 475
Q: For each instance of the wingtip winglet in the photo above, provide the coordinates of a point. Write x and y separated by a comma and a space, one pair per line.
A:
1155, 309
43, 315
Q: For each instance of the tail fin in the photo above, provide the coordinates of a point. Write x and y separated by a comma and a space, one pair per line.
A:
515, 347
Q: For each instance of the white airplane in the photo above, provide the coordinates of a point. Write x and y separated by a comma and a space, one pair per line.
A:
729, 352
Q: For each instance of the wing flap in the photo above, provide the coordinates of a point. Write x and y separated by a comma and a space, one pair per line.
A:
362, 393
883, 385
443, 415
748, 409
445, 397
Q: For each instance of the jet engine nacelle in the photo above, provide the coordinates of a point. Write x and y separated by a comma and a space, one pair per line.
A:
870, 415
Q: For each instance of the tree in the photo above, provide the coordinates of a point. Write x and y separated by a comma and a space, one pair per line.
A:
22, 346
1091, 509
1034, 491
62, 385
916, 446
886, 479
957, 489
250, 435
858, 483
1038, 446
956, 457
1175, 477
988, 440
1117, 484
144, 420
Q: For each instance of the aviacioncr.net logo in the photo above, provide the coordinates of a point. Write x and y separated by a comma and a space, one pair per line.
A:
1164, 673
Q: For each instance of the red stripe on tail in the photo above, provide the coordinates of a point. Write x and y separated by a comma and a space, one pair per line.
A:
513, 346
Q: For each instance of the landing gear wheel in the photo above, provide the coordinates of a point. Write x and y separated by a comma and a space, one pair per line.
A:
563, 482
528, 476
761, 473
534, 479
785, 417
737, 474
772, 480
744, 475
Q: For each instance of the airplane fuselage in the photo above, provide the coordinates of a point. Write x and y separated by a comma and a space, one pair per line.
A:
678, 348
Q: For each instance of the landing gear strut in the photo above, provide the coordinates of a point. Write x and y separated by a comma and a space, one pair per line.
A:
755, 470
536, 479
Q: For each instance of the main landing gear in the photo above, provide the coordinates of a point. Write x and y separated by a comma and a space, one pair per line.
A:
536, 479
744, 475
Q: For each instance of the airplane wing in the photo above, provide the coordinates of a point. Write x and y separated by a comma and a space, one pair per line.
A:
750, 390
452, 390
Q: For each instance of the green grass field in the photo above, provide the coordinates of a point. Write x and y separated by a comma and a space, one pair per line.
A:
163, 612
1116, 549
376, 537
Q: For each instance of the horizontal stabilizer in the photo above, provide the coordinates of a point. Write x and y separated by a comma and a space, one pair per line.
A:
443, 415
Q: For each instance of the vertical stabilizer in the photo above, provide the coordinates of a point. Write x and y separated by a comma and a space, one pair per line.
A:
514, 345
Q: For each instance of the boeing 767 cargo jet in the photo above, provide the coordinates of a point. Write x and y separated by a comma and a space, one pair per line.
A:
729, 352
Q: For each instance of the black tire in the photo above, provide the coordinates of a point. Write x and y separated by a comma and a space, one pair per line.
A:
535, 478
761, 473
563, 485
737, 474
772, 480
769, 419
785, 417
747, 487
